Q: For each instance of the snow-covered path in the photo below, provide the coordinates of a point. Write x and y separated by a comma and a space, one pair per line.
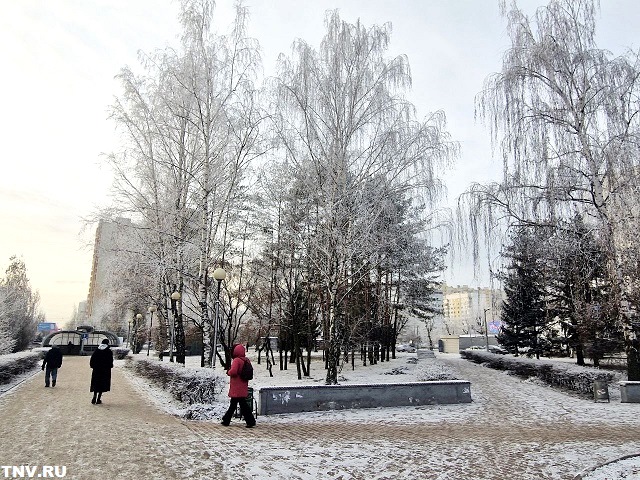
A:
514, 429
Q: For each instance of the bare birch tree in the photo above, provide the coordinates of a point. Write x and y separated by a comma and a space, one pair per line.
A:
565, 116
191, 128
343, 123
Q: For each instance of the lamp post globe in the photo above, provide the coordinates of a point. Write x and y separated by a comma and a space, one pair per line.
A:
219, 274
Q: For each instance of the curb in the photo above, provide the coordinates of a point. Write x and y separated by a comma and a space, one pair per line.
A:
580, 476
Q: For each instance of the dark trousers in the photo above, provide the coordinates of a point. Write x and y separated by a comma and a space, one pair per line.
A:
245, 409
50, 372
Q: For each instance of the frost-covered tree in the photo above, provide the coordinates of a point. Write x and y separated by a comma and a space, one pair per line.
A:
565, 115
6, 340
190, 128
345, 129
19, 307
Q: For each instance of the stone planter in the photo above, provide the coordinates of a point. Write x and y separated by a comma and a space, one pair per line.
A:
313, 398
630, 392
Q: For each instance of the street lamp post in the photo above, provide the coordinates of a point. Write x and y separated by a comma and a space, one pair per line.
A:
152, 308
486, 329
219, 275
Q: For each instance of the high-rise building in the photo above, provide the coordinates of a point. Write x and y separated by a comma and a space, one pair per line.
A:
108, 243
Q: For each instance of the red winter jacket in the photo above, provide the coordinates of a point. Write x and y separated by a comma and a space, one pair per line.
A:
238, 388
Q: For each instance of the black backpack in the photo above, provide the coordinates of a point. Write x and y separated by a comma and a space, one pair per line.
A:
246, 373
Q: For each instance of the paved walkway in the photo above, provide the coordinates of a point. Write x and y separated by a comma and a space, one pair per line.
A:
507, 433
60, 427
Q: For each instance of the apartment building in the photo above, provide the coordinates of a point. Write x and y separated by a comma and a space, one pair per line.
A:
466, 309
110, 236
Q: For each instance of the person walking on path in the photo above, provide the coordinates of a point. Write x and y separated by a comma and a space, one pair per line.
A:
238, 389
101, 362
51, 363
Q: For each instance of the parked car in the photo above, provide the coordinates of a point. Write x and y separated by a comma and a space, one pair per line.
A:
497, 349
405, 348
476, 347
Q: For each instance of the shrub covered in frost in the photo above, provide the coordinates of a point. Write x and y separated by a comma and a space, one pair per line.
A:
434, 371
186, 385
201, 411
119, 353
562, 375
14, 364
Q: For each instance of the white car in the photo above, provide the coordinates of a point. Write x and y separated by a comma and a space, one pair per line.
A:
406, 348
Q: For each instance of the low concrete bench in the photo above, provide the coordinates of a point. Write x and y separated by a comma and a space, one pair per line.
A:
312, 398
629, 392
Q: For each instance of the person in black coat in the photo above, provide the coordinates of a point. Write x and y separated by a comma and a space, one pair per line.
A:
51, 363
101, 362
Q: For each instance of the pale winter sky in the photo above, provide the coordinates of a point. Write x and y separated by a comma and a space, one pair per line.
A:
60, 57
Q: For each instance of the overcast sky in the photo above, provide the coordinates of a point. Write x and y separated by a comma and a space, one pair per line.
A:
59, 59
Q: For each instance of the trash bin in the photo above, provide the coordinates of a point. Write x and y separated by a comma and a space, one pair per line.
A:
252, 405
600, 391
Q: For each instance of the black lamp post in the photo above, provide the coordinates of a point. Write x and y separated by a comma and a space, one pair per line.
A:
486, 330
152, 308
219, 274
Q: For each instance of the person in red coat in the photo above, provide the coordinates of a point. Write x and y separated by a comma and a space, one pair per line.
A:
238, 389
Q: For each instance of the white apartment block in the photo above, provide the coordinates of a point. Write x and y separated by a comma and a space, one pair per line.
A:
467, 308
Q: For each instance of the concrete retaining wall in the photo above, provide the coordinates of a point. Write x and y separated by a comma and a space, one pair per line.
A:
312, 398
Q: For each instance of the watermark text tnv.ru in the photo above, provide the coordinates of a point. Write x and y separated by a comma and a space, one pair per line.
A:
26, 471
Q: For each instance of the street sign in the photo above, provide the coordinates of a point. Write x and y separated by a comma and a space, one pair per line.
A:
494, 327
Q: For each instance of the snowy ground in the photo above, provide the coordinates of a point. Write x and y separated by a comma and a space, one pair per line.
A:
541, 429
513, 429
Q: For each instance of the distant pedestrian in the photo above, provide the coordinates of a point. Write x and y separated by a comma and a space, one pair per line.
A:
238, 389
51, 363
101, 362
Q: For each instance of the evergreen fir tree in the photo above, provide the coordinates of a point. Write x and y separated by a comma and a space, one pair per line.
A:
523, 311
